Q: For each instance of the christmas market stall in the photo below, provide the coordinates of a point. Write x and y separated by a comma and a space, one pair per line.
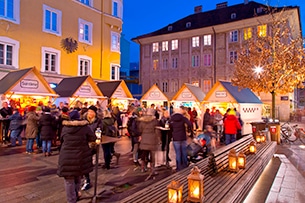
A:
117, 92
224, 95
25, 87
154, 96
81, 88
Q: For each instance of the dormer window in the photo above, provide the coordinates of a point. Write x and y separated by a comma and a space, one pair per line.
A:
170, 28
259, 10
233, 15
188, 24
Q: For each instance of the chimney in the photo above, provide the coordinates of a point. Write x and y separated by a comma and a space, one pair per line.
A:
222, 5
246, 2
198, 9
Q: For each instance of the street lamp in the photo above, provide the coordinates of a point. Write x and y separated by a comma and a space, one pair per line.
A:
98, 134
258, 70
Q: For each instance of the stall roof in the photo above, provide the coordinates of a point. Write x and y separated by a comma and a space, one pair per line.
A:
109, 88
244, 95
159, 96
68, 87
9, 82
193, 89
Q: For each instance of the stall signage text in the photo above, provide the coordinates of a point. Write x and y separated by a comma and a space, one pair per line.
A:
186, 95
29, 84
220, 94
85, 88
154, 94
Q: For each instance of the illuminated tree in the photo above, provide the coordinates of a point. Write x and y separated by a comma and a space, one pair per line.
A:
273, 61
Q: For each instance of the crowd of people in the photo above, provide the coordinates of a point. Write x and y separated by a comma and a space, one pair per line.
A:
152, 129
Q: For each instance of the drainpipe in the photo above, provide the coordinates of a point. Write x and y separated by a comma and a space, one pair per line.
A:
102, 35
214, 55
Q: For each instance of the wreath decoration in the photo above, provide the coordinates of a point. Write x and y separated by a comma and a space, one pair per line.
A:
69, 44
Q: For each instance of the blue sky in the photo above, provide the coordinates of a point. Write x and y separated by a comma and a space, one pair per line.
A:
144, 16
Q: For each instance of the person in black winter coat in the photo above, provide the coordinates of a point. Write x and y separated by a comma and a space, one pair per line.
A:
179, 125
15, 128
47, 126
75, 157
166, 135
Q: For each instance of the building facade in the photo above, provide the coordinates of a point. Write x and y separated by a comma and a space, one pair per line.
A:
62, 38
201, 48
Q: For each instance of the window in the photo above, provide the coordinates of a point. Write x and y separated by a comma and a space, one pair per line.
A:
115, 41
207, 59
51, 60
84, 31
155, 47
195, 41
115, 72
195, 61
247, 33
117, 8
155, 64
188, 24
207, 40
52, 20
206, 86
170, 28
262, 30
174, 44
86, 2
233, 16
164, 87
165, 46
165, 63
175, 62
174, 86
233, 56
234, 36
84, 65
10, 10
9, 50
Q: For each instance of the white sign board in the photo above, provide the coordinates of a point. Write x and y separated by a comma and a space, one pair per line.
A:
186, 95
86, 90
119, 93
154, 94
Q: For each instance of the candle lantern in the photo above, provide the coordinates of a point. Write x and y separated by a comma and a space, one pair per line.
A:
241, 160
174, 191
252, 147
232, 157
263, 137
195, 186
98, 134
258, 138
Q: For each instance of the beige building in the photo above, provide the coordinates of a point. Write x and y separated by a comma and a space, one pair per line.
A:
201, 48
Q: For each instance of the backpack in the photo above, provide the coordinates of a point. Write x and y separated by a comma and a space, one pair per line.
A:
110, 131
132, 127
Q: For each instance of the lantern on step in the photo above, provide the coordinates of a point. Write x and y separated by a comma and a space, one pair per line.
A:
263, 137
195, 186
241, 160
258, 138
232, 157
252, 147
174, 192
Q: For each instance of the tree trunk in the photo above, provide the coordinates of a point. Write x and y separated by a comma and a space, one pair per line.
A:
273, 105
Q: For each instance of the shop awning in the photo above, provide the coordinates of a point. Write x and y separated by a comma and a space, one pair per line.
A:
224, 91
27, 81
115, 89
82, 86
154, 94
189, 92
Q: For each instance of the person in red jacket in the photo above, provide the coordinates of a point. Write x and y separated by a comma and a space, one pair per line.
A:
231, 125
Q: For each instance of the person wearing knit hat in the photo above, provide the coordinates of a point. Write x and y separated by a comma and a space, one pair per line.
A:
231, 125
93, 108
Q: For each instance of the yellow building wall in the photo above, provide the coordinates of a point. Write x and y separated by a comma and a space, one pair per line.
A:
31, 37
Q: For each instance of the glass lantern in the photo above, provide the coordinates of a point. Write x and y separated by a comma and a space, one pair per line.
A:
232, 157
98, 134
258, 138
241, 160
174, 191
263, 137
252, 147
195, 186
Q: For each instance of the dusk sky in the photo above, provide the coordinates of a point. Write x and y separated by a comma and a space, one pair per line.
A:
144, 16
